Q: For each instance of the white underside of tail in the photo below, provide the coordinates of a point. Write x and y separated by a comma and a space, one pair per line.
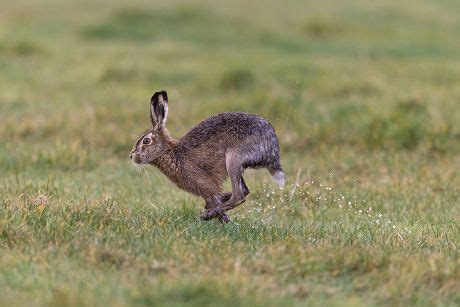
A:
279, 178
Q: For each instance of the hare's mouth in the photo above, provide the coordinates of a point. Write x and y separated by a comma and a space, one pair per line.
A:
136, 158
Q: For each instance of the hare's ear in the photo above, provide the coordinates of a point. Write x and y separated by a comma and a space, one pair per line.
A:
159, 109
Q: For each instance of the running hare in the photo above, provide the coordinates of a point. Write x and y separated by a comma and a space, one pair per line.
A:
222, 145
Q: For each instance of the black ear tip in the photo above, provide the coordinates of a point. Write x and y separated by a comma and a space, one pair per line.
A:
164, 94
157, 94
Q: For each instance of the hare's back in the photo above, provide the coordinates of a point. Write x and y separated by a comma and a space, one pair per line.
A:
229, 128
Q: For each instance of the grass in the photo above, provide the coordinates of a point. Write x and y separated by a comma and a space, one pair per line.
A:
364, 97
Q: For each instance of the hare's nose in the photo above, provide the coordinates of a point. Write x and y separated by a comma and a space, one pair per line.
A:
130, 155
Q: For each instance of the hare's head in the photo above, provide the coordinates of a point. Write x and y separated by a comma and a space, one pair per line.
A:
151, 144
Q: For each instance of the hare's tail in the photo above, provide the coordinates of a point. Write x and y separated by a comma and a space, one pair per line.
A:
277, 173
279, 178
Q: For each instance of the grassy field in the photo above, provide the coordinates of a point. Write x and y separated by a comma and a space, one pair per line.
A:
364, 96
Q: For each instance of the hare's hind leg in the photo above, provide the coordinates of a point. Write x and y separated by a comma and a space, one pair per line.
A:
234, 164
226, 196
215, 202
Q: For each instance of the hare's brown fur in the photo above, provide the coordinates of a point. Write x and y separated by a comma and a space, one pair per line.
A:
219, 147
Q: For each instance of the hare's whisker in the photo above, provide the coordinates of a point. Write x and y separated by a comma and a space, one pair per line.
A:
147, 174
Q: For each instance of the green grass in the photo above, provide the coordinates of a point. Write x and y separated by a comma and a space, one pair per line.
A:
364, 96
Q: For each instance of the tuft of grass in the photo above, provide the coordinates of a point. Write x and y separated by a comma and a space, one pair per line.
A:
25, 48
238, 79
323, 28
21, 48
118, 74
128, 23
134, 24
405, 127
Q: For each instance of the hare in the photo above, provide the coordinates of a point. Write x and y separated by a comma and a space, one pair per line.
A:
221, 146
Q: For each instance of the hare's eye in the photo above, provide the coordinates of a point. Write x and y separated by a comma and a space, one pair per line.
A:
146, 141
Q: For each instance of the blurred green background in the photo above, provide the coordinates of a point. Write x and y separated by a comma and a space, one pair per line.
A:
364, 96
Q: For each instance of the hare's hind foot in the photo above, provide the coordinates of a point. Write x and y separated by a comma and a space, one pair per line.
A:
213, 213
224, 218
232, 204
219, 211
212, 208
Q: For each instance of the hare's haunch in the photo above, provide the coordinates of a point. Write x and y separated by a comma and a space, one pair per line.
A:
222, 146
